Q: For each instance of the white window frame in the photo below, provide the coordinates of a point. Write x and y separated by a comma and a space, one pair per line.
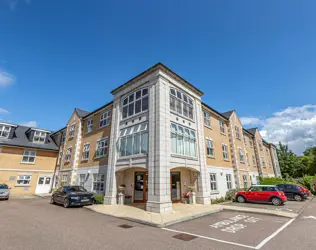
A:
222, 127
89, 126
213, 182
29, 154
207, 119
245, 180
39, 136
210, 150
254, 160
98, 181
185, 140
25, 179
72, 130
127, 102
5, 131
102, 151
85, 151
181, 104
237, 132
64, 180
241, 155
105, 119
263, 161
229, 182
82, 179
68, 154
225, 152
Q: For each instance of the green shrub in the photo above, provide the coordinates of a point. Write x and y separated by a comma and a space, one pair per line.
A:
230, 194
218, 200
275, 181
307, 181
99, 198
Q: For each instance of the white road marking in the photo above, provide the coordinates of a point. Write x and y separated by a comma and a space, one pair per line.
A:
208, 238
309, 217
266, 240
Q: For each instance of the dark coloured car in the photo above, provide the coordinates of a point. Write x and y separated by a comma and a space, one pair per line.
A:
261, 194
72, 196
293, 191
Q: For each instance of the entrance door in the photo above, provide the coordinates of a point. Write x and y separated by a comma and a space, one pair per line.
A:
140, 187
43, 184
175, 186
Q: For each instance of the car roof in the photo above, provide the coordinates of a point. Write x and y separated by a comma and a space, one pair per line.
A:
263, 185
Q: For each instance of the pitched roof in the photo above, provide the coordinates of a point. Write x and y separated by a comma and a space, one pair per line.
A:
215, 111
81, 113
228, 113
20, 140
153, 68
252, 130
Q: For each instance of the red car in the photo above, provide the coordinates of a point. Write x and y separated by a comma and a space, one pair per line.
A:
306, 191
262, 194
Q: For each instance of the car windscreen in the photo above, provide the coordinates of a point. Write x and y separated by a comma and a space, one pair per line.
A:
3, 186
75, 189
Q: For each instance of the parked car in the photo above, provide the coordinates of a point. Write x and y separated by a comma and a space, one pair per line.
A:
4, 191
292, 191
262, 194
72, 196
305, 189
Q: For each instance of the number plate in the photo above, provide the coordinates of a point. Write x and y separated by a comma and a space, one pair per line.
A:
85, 200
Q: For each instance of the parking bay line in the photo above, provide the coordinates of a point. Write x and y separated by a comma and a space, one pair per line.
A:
261, 244
208, 238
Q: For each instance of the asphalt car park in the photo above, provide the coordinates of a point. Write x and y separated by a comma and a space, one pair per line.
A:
234, 228
289, 206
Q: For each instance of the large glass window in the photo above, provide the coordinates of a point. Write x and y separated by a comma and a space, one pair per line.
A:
39, 137
98, 182
135, 103
183, 140
210, 148
102, 147
181, 103
4, 131
134, 140
28, 156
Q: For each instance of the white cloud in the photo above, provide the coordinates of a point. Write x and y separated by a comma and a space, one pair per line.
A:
6, 79
253, 121
3, 111
295, 126
32, 124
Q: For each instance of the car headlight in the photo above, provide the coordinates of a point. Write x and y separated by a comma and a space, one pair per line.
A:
74, 198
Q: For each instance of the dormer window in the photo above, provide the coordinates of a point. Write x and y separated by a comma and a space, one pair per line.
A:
135, 103
181, 103
39, 137
4, 131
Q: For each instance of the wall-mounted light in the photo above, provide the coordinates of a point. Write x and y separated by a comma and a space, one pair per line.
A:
221, 172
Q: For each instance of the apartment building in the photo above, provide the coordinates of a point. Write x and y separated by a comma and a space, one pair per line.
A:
157, 138
27, 159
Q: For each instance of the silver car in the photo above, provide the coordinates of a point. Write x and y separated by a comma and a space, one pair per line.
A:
4, 191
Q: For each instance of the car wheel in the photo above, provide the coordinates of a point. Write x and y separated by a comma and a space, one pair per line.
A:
241, 199
66, 203
297, 197
7, 199
276, 201
52, 201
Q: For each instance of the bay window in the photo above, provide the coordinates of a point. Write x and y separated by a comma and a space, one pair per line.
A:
183, 140
135, 103
181, 103
134, 140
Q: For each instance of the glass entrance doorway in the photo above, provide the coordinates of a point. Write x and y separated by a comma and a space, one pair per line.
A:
140, 187
175, 186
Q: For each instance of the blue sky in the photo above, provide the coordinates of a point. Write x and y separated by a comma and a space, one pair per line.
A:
258, 57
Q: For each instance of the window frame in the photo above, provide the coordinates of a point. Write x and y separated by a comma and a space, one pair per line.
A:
229, 182
250, 143
180, 103
213, 182
5, 129
263, 161
241, 155
245, 180
68, 154
105, 118
85, 153
237, 132
133, 102
184, 136
89, 126
28, 156
41, 135
207, 118
254, 161
96, 180
64, 180
72, 130
222, 127
106, 147
81, 183
210, 142
23, 179
225, 146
